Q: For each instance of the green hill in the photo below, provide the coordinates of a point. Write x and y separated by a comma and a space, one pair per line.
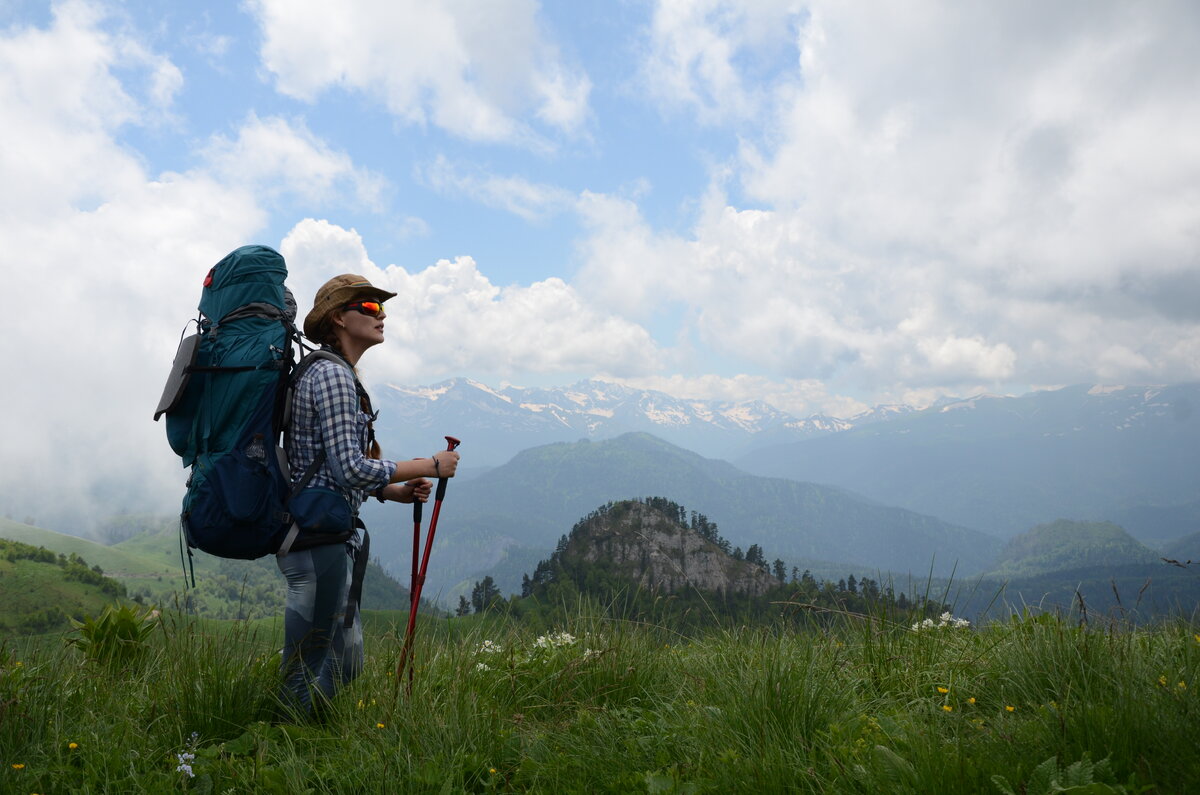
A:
1065, 544
116, 561
40, 589
148, 565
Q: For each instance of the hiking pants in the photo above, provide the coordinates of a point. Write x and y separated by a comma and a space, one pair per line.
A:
319, 652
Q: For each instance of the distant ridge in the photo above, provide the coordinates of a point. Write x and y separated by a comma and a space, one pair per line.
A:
1004, 464
1065, 544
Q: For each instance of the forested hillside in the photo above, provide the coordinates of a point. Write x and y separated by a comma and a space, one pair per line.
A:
41, 590
1066, 544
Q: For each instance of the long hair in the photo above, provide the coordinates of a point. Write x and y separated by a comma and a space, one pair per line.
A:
330, 340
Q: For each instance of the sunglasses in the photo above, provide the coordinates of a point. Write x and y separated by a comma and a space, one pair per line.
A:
372, 308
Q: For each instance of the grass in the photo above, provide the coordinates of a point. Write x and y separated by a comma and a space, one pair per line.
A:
865, 706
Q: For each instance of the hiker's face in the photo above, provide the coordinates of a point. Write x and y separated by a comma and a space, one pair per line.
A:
362, 325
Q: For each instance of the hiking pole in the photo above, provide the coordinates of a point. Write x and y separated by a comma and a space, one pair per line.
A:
412, 587
406, 651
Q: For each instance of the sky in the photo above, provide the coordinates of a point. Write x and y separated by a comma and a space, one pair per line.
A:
823, 205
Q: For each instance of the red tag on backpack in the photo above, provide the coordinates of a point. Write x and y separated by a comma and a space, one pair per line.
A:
209, 278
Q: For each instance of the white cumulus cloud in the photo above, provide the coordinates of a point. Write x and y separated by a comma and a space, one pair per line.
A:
478, 70
449, 318
929, 196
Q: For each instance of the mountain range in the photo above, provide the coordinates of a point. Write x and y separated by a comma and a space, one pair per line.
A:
499, 422
1130, 455
504, 520
1001, 464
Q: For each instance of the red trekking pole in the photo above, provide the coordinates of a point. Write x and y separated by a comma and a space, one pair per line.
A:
418, 575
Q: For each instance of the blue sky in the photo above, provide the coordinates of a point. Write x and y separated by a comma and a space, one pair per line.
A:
823, 205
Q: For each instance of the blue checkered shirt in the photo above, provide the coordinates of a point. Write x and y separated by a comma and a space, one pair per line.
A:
326, 415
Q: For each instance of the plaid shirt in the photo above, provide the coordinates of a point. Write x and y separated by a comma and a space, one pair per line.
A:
326, 415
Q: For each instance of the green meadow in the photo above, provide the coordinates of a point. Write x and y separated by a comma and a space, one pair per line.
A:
857, 704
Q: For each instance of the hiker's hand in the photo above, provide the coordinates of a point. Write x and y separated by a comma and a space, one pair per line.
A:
445, 463
412, 491
419, 489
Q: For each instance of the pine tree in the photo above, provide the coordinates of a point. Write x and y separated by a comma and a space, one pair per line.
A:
484, 594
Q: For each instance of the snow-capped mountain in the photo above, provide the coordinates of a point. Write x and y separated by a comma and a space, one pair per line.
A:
500, 422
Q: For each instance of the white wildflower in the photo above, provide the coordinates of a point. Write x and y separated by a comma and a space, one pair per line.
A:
482, 667
185, 764
488, 647
554, 640
944, 620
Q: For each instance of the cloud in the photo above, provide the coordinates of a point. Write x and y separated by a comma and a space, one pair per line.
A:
930, 197
482, 71
274, 156
528, 200
449, 318
107, 259
717, 58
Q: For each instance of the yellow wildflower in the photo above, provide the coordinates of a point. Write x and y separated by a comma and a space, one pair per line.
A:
971, 700
361, 704
947, 708
1197, 637
1182, 685
72, 746
379, 726
1162, 680
491, 770
943, 690
18, 766
1011, 709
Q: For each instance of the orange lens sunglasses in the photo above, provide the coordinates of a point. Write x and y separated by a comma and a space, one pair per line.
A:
372, 308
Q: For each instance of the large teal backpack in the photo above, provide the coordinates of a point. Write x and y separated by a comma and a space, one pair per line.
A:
225, 404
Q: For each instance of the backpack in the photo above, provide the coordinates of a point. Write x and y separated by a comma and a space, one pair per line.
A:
227, 402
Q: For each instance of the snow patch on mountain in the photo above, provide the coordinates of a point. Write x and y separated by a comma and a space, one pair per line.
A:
487, 390
430, 393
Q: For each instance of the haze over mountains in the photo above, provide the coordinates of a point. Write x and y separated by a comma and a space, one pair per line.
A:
897, 489
999, 464
1130, 455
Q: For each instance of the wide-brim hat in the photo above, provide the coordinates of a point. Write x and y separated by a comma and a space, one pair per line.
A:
336, 293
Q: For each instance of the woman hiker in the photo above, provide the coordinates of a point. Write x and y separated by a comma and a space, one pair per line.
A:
331, 440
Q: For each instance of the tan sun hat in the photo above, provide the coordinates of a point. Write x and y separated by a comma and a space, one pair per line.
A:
336, 293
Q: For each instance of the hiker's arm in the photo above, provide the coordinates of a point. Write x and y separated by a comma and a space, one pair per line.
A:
446, 464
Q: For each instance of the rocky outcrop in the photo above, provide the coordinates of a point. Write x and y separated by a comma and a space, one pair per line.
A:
657, 552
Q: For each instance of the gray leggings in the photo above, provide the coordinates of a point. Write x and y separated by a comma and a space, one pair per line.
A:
319, 653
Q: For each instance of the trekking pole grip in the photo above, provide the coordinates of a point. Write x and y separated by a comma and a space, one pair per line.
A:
451, 443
